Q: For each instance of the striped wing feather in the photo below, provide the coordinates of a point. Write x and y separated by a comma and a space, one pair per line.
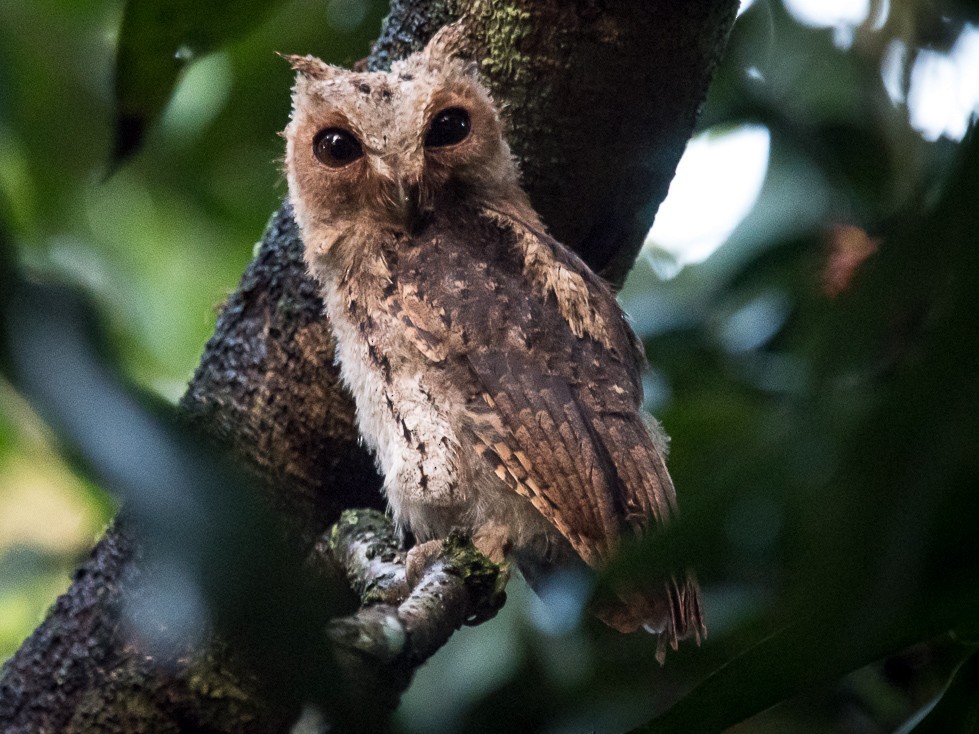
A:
564, 427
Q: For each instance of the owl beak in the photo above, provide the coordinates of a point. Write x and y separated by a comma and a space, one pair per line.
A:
409, 205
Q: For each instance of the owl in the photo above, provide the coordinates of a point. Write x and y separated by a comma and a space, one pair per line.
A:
495, 377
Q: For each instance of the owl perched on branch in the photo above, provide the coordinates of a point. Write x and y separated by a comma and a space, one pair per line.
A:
495, 377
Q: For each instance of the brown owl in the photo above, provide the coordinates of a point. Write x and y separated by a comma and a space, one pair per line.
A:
495, 377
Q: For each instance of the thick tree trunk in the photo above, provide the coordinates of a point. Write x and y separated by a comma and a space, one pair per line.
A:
601, 97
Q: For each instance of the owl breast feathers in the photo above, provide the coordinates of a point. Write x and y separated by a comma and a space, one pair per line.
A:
495, 377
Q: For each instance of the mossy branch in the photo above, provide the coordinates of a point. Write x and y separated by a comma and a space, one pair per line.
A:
398, 629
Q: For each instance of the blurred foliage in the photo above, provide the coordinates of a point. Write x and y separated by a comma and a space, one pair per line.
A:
156, 39
158, 244
211, 554
817, 374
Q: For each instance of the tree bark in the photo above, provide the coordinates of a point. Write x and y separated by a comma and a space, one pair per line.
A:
601, 98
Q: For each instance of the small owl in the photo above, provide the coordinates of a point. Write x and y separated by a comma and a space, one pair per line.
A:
495, 377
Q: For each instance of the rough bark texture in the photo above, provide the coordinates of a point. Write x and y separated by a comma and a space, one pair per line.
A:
601, 98
76, 673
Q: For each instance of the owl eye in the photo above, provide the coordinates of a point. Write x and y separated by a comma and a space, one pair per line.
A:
450, 126
336, 148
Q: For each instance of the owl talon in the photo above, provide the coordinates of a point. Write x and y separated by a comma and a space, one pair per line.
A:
493, 541
493, 603
418, 559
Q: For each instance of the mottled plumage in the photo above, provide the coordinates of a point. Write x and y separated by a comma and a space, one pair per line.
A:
495, 376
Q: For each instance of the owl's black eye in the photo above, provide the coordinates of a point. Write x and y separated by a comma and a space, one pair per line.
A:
336, 148
450, 126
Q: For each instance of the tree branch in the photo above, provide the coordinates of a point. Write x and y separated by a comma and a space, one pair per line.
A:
601, 97
380, 646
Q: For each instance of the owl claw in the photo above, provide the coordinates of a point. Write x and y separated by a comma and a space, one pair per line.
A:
493, 541
485, 580
418, 559
494, 602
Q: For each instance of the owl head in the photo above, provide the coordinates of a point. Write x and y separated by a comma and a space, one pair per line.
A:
387, 149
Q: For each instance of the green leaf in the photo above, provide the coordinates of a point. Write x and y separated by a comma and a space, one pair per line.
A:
788, 662
156, 40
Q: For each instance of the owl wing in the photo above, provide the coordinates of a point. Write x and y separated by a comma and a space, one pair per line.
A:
589, 473
554, 384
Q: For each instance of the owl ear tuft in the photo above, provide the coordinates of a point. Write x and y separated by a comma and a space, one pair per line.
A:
310, 66
450, 42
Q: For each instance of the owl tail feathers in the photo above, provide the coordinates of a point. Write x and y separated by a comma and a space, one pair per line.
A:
673, 613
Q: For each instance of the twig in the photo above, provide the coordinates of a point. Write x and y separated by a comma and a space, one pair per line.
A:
398, 630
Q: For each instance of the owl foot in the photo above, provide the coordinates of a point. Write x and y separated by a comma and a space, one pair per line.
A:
418, 559
494, 602
485, 579
493, 541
